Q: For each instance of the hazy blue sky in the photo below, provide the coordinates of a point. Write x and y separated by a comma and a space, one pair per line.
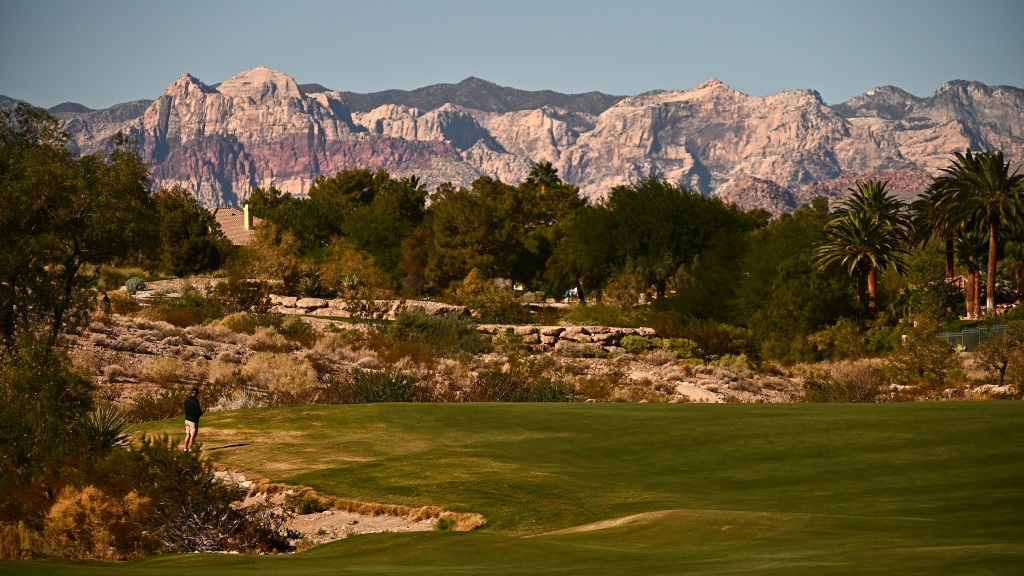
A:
102, 52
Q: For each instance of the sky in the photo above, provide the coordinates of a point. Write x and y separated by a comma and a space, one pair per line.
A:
103, 52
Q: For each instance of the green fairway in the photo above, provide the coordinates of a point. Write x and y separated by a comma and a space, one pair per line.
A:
916, 488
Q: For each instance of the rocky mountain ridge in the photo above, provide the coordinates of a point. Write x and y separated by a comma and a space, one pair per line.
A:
261, 128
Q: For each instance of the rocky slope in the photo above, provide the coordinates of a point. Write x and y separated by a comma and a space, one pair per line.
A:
260, 128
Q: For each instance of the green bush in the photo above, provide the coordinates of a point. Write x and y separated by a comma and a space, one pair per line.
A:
424, 337
367, 386
305, 503
134, 284
445, 523
636, 344
829, 390
519, 382
242, 296
602, 315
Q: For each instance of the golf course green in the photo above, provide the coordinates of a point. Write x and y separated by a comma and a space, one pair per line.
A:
637, 489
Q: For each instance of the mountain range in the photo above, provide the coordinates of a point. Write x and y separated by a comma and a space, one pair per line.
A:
261, 128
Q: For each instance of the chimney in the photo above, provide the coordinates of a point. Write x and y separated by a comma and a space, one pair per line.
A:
246, 216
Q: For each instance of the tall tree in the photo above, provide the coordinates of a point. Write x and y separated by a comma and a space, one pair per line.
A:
979, 187
191, 240
61, 217
869, 232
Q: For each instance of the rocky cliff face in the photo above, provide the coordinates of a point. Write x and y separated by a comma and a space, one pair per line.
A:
260, 128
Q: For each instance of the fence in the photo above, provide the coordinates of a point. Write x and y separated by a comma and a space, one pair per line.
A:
971, 338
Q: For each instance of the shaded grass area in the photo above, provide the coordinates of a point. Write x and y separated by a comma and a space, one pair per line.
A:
924, 488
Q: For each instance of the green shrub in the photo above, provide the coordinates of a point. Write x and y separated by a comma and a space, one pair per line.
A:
134, 284
636, 344
602, 315
424, 337
112, 279
829, 390
367, 386
445, 523
305, 503
519, 381
242, 296
298, 330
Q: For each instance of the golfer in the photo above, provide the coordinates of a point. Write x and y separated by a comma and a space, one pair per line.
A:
192, 413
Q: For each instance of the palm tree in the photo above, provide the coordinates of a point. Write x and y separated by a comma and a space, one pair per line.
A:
978, 187
970, 251
930, 221
869, 231
544, 175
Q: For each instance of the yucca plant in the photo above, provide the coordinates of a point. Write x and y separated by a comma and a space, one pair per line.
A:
104, 428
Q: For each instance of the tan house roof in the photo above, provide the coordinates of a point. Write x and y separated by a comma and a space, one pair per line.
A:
233, 223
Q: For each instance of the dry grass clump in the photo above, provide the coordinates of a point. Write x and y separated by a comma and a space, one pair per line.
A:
166, 371
129, 344
270, 340
641, 392
279, 373
88, 523
446, 381
659, 357
114, 372
600, 386
123, 303
239, 322
215, 332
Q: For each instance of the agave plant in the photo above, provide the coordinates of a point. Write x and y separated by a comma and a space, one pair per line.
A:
104, 428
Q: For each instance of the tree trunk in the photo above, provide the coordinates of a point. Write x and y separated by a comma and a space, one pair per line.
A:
949, 257
977, 293
861, 280
969, 294
993, 251
872, 292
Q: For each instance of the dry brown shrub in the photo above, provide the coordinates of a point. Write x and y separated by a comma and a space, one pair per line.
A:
123, 303
114, 372
638, 392
214, 332
659, 357
16, 541
279, 373
269, 340
239, 322
166, 371
88, 523
226, 373
599, 386
130, 344
368, 360
180, 317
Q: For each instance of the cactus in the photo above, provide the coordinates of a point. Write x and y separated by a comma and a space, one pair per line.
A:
134, 284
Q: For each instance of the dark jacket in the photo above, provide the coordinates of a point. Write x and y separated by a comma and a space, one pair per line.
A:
192, 409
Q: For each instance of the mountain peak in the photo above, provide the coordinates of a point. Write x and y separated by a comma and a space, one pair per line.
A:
260, 84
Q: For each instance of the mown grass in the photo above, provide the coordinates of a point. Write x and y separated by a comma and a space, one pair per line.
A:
924, 488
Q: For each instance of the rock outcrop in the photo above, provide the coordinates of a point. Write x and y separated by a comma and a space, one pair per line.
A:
260, 128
